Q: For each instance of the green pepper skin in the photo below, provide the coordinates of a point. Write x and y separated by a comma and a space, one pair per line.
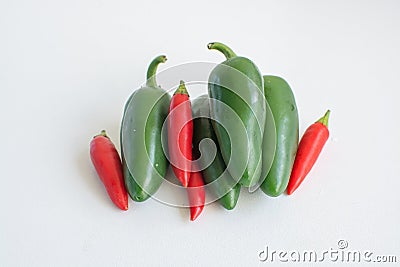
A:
284, 110
141, 130
221, 183
245, 97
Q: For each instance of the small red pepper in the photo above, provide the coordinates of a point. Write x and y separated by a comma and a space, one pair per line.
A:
196, 194
310, 147
108, 166
180, 134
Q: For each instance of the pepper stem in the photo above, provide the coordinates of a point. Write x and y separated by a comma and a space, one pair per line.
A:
102, 133
181, 89
325, 118
228, 53
151, 71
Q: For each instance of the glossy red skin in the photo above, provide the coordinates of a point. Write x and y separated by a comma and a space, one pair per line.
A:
108, 166
181, 119
196, 194
310, 147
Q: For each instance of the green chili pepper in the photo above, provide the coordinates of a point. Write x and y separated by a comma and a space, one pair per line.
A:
143, 158
221, 184
284, 110
237, 83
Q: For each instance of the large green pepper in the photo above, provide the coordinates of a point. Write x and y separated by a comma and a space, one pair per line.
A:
143, 158
284, 110
219, 181
236, 88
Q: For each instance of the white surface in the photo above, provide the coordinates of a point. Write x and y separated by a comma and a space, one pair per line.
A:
67, 67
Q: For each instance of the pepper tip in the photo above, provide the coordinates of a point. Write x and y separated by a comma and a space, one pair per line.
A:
102, 133
181, 89
324, 120
195, 212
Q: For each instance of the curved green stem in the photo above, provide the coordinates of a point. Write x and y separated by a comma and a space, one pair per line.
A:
228, 53
325, 118
181, 89
151, 71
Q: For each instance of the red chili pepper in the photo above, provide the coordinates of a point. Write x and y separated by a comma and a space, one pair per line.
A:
108, 165
196, 194
310, 147
180, 134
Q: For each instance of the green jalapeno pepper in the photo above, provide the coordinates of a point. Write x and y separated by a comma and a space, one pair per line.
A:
143, 158
237, 85
220, 182
284, 110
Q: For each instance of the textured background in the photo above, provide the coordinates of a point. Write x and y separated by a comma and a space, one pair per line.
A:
67, 68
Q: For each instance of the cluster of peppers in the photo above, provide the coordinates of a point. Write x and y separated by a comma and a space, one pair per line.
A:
266, 153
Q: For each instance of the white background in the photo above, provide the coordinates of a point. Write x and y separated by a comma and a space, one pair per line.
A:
67, 68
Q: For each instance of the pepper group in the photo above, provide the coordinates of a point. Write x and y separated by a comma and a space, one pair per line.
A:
251, 118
